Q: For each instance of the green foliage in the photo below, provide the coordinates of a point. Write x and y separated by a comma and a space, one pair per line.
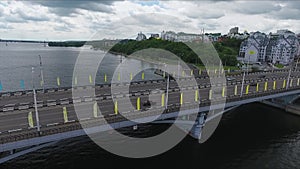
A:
227, 49
279, 66
67, 44
177, 48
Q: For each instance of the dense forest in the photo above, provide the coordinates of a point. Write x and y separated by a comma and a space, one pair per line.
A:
67, 44
227, 49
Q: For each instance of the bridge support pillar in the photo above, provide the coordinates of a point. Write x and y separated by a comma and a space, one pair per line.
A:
196, 130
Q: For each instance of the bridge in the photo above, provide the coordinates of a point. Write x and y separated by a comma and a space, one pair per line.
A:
103, 110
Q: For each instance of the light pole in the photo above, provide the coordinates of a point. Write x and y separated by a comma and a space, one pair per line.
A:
178, 70
243, 81
35, 103
288, 79
297, 64
168, 83
42, 75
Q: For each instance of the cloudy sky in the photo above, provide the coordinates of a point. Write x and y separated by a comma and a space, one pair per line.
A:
84, 20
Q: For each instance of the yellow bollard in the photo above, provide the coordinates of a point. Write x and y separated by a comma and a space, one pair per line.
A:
223, 91
196, 95
131, 77
75, 80
192, 72
257, 87
284, 84
210, 94
208, 71
274, 85
90, 79
228, 70
200, 72
291, 83
183, 73
116, 107
163, 100
222, 71
181, 98
138, 103
247, 89
216, 71
119, 76
95, 110
65, 113
41, 83
235, 90
164, 74
143, 75
298, 82
266, 86
30, 120
105, 78
58, 81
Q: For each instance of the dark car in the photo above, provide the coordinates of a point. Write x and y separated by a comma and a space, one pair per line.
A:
147, 103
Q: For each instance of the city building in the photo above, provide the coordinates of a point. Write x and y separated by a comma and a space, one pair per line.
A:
213, 37
180, 37
141, 37
280, 47
233, 31
254, 48
156, 36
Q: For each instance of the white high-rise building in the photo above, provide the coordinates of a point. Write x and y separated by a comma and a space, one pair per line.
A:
281, 47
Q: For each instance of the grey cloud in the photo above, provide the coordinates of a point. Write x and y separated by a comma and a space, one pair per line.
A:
208, 26
18, 16
66, 8
14, 19
27, 17
293, 4
256, 7
213, 15
148, 19
286, 13
63, 28
5, 26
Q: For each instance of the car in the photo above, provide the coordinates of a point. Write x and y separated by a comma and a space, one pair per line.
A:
230, 78
147, 103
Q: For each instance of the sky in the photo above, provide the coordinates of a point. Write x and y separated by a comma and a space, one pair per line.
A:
87, 20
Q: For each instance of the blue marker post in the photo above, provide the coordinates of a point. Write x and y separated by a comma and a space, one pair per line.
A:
22, 84
1, 88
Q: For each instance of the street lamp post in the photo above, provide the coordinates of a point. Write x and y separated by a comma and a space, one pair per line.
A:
35, 103
243, 81
168, 83
288, 79
42, 75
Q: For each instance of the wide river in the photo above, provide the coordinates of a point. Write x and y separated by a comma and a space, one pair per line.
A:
252, 136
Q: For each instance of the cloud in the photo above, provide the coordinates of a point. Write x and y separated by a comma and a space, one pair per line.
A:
287, 13
5, 26
256, 7
67, 8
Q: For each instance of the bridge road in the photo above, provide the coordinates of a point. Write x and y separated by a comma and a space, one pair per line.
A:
135, 87
53, 115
